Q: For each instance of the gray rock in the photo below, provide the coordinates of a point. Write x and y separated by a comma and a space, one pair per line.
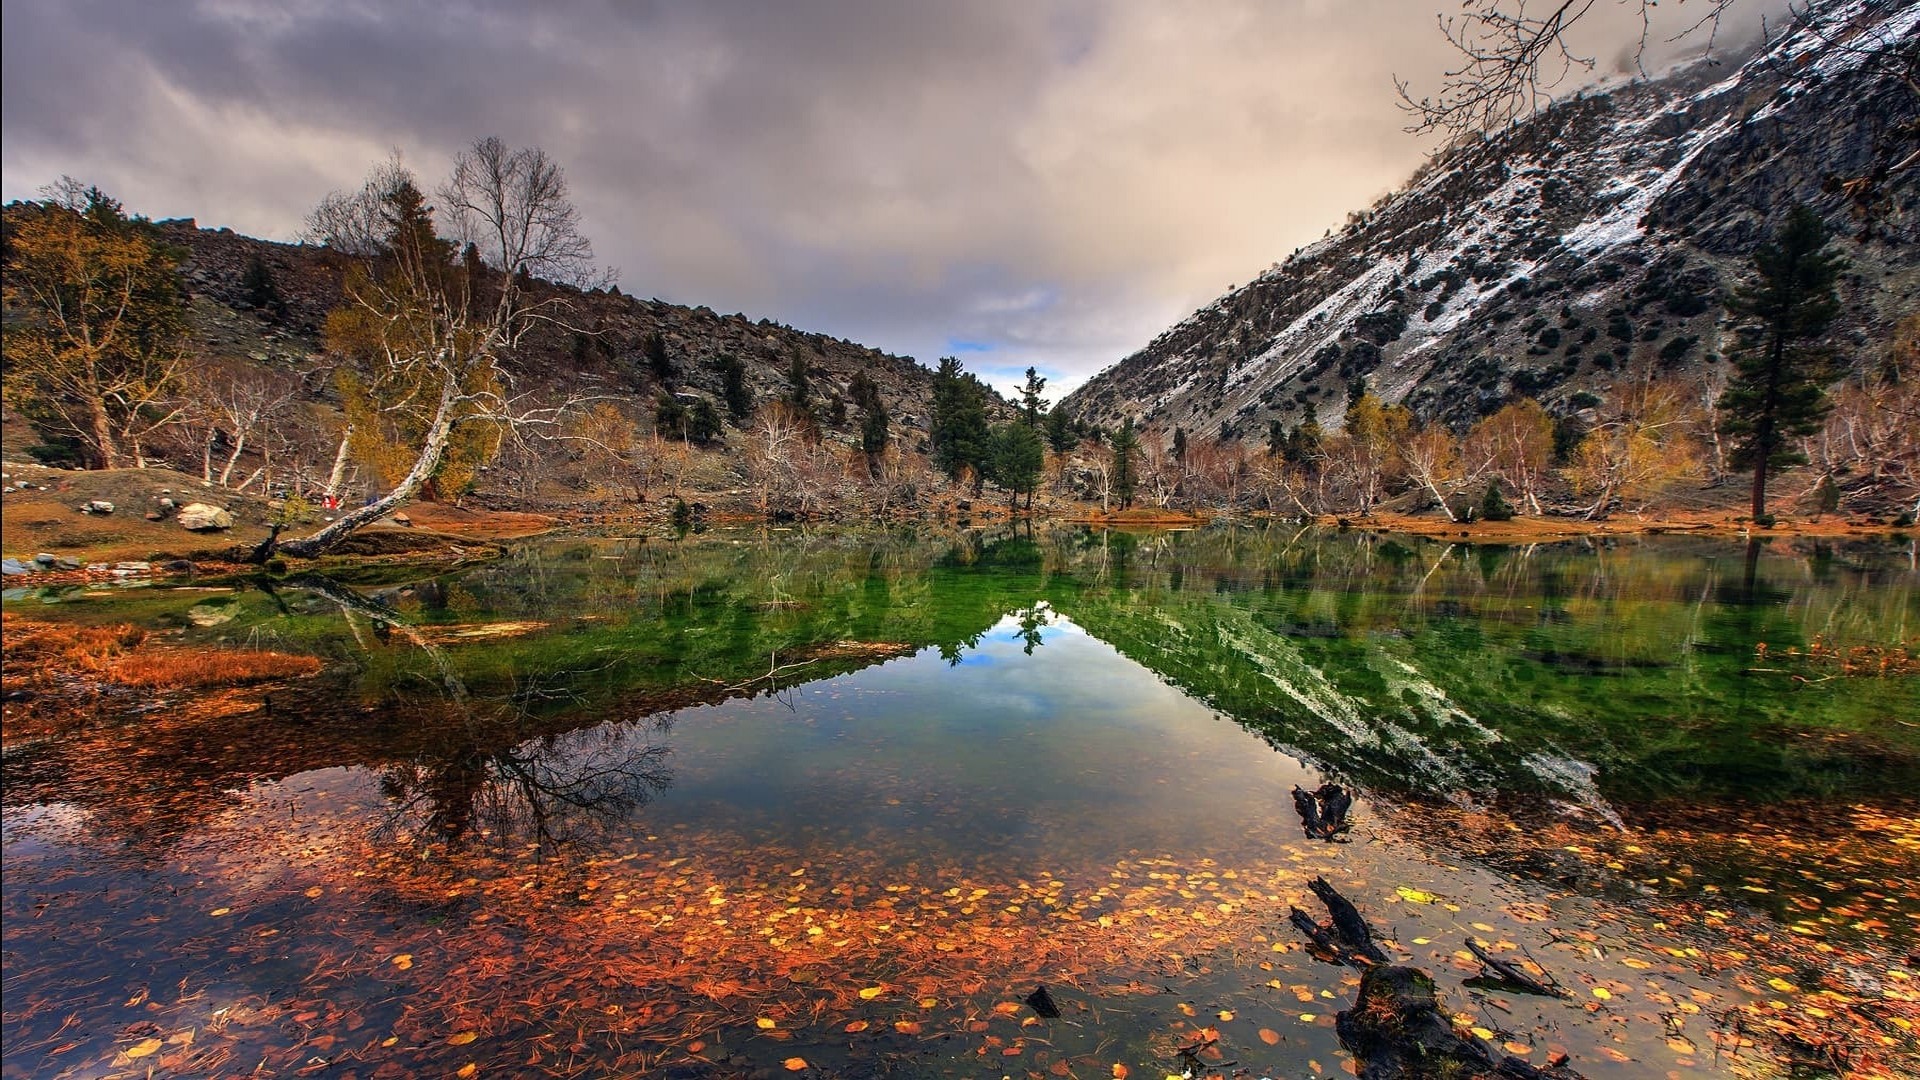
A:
14, 567
133, 566
98, 506
66, 562
46, 558
204, 517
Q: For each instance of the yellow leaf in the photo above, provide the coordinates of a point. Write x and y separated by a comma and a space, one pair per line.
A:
467, 1070
1602, 993
1226, 1014
765, 1024
871, 992
1269, 1036
1415, 895
1185, 1009
314, 893
1483, 1033
1307, 1018
795, 1064
1782, 985
403, 961
907, 1027
142, 1048
461, 1039
221, 911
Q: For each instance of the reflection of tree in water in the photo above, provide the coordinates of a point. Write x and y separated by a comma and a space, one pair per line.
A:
549, 790
487, 778
1032, 621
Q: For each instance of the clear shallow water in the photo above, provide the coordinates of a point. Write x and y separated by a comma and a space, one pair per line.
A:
550, 814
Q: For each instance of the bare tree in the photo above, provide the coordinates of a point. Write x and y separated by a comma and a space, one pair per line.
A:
1432, 460
232, 408
1511, 55
427, 337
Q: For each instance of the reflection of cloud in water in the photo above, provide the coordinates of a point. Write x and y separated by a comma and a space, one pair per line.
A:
1070, 751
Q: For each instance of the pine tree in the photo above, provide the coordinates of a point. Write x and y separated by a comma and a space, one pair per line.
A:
1060, 433
1276, 437
1030, 401
958, 431
1016, 460
1180, 444
1775, 393
733, 388
873, 419
654, 348
259, 288
1125, 445
799, 388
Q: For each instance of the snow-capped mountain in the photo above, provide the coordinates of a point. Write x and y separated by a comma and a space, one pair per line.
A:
1592, 241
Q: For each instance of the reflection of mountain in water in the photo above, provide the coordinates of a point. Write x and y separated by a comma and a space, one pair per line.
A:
1568, 673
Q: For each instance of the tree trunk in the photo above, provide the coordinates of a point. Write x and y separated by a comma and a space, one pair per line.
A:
103, 444
339, 472
233, 459
431, 452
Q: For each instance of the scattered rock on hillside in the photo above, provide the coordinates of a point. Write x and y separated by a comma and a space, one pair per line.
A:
204, 517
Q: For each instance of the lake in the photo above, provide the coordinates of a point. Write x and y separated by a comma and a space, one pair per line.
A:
837, 803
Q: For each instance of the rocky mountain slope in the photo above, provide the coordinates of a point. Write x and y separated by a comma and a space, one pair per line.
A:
611, 353
1592, 241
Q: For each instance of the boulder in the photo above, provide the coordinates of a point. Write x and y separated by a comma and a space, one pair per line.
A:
13, 567
204, 517
97, 506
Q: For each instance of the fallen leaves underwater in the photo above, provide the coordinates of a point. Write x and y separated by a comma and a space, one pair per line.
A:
863, 921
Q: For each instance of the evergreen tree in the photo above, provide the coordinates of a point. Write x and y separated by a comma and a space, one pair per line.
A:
1125, 445
733, 388
799, 389
1060, 433
1303, 443
873, 418
1180, 444
669, 417
1015, 461
1775, 393
1030, 402
703, 422
654, 348
262, 293
1494, 505
1276, 437
959, 428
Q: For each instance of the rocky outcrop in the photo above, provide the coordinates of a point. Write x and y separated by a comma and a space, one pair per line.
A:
1594, 239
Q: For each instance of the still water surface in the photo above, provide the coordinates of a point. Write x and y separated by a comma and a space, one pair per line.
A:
839, 803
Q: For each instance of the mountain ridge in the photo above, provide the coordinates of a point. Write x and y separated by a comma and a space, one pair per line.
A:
1496, 269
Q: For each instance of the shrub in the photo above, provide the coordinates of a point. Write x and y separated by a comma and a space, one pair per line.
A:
1494, 505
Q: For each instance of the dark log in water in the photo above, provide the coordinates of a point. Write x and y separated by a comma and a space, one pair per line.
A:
1323, 812
1396, 1030
1501, 973
1352, 927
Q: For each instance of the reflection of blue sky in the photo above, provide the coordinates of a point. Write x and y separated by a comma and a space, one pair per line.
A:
1071, 746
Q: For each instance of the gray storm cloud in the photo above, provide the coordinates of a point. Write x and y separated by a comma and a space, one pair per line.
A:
1054, 182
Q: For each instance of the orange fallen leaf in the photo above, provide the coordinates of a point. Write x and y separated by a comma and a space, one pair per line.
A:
403, 961
461, 1039
1120, 1071
142, 1048
1269, 1036
1226, 1014
467, 1070
795, 1064
907, 1027
871, 992
857, 1025
696, 1046
765, 1024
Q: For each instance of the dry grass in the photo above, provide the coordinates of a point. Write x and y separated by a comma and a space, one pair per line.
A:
178, 669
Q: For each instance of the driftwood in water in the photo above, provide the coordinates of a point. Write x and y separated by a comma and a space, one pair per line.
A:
1323, 811
1395, 1030
1346, 938
1347, 921
1510, 975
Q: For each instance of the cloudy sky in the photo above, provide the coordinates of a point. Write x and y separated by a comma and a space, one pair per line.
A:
1011, 181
